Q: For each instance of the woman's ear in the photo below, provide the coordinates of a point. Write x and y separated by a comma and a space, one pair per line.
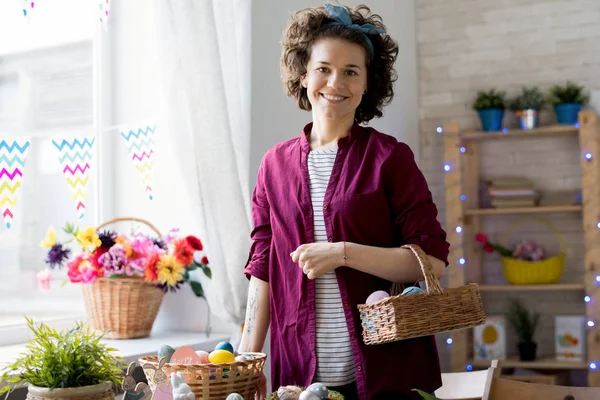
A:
303, 82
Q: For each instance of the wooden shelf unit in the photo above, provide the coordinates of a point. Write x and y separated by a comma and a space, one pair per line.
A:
461, 152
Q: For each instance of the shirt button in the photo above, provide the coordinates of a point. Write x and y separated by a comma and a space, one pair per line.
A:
345, 304
325, 207
330, 239
359, 368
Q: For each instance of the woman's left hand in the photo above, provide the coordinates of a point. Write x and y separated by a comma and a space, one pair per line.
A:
317, 259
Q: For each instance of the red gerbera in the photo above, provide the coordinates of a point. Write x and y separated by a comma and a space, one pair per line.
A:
194, 243
488, 248
204, 260
184, 253
151, 270
481, 238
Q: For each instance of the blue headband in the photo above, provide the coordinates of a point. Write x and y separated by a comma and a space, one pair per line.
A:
341, 17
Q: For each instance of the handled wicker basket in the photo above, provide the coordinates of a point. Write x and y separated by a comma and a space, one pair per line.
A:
213, 381
524, 272
438, 310
126, 307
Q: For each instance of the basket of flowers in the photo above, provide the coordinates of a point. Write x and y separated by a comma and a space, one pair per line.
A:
528, 262
125, 276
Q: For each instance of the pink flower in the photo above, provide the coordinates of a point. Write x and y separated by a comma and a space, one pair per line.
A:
43, 279
81, 269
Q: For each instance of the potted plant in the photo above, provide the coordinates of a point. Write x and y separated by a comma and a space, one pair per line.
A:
527, 106
524, 323
135, 269
71, 365
490, 106
567, 101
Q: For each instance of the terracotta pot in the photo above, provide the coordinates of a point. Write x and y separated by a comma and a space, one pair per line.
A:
102, 391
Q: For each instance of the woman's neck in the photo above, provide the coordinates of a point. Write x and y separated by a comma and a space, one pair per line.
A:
326, 132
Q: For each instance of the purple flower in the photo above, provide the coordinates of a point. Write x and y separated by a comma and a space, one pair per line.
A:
107, 238
114, 260
57, 255
166, 288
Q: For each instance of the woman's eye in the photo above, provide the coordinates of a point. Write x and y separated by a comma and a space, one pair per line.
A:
322, 69
351, 73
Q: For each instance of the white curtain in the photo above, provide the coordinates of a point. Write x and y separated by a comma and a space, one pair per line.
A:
204, 67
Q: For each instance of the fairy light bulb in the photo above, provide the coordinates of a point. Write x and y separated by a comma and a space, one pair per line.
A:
447, 167
462, 261
587, 299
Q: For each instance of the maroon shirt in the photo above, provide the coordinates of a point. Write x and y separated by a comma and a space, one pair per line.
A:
376, 196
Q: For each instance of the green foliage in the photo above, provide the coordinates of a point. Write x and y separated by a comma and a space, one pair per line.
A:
530, 98
68, 359
490, 99
424, 395
333, 395
523, 322
569, 93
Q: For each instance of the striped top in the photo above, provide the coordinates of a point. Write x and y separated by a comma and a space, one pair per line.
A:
335, 363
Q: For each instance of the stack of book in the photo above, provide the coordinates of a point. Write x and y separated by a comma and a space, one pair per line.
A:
512, 192
561, 198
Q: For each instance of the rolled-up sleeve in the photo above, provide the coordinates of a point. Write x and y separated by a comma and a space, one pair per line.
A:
258, 260
415, 214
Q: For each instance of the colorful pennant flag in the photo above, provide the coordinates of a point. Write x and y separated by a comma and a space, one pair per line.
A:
141, 147
103, 10
12, 162
28, 8
75, 157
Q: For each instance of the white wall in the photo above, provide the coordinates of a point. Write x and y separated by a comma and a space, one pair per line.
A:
276, 118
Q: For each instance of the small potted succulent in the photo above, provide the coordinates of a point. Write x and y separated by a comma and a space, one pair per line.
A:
567, 101
525, 324
70, 365
490, 106
527, 106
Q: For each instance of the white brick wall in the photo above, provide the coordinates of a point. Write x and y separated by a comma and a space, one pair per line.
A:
468, 45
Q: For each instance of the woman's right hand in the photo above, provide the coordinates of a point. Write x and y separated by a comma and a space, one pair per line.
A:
261, 394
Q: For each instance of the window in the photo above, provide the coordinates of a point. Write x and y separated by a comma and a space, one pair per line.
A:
46, 92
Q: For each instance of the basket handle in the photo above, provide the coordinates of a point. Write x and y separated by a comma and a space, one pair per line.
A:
431, 281
511, 227
122, 219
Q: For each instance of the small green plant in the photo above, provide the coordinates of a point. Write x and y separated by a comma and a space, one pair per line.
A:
425, 395
68, 359
529, 99
568, 93
523, 322
490, 99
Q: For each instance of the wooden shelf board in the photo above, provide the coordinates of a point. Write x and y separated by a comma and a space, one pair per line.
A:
524, 210
541, 363
523, 288
545, 131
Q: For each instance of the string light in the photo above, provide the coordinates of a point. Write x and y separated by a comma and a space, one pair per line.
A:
449, 341
458, 229
588, 156
463, 197
593, 365
470, 367
505, 130
463, 149
462, 261
587, 299
447, 167
577, 125
598, 225
591, 324
439, 129
598, 278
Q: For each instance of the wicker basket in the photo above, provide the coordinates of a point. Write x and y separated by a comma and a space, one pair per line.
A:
523, 272
213, 381
124, 306
438, 310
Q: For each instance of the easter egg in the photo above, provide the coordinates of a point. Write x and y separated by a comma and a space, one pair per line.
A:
221, 356
320, 390
165, 351
309, 395
412, 290
234, 396
203, 355
241, 358
376, 296
224, 346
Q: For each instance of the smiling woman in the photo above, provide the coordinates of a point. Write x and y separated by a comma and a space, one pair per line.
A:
331, 210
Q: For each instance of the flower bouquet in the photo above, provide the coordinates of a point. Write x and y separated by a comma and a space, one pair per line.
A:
125, 277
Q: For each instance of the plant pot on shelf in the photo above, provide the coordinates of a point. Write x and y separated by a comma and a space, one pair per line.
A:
567, 113
528, 119
102, 391
527, 351
491, 119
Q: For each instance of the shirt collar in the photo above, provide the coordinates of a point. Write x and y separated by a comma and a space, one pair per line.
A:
355, 133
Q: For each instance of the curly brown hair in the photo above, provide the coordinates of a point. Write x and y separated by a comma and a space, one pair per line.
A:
307, 25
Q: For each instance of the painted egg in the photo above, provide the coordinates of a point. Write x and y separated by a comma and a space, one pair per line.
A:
224, 346
320, 390
203, 356
221, 356
241, 358
166, 351
376, 296
309, 395
412, 290
234, 396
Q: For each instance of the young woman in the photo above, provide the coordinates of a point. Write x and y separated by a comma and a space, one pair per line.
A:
331, 209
